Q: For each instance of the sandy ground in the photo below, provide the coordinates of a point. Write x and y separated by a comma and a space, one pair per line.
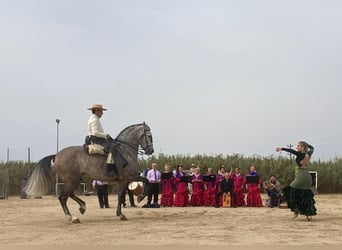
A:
41, 222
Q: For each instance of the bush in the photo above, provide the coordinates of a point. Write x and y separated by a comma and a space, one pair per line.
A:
329, 172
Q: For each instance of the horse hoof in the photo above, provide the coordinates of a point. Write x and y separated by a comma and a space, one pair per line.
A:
68, 217
75, 220
295, 215
82, 210
123, 218
308, 218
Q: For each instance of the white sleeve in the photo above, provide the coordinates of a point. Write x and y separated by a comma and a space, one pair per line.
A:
95, 128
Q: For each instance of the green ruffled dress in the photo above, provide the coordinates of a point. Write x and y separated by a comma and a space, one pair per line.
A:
299, 195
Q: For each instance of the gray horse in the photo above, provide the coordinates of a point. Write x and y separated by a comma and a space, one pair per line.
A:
72, 162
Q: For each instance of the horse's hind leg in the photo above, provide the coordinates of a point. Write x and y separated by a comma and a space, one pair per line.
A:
80, 202
63, 197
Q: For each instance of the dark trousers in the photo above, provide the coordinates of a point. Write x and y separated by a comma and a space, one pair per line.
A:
153, 191
232, 194
102, 194
274, 195
130, 196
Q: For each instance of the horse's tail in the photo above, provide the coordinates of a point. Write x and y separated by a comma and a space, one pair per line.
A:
40, 181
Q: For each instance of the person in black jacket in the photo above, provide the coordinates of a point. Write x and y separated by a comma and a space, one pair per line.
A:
130, 196
227, 186
101, 188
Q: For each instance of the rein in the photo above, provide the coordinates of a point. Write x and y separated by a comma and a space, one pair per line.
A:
132, 145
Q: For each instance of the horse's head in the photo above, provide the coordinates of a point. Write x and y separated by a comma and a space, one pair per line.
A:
146, 140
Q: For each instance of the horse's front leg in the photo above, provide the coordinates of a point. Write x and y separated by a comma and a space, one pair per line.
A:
121, 194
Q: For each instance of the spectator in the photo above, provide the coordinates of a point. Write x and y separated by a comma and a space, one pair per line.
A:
273, 190
101, 187
23, 195
130, 197
153, 177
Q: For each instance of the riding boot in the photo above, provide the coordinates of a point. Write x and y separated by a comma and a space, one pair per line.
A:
120, 161
112, 170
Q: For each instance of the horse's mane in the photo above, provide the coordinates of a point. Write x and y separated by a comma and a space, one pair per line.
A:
128, 128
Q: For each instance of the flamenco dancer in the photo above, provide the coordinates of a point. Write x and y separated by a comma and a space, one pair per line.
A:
167, 187
182, 192
239, 181
253, 188
299, 196
197, 188
209, 193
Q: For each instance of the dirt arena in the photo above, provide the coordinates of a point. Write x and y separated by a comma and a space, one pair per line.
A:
40, 222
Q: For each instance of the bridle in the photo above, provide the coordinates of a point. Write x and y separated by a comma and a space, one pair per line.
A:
135, 146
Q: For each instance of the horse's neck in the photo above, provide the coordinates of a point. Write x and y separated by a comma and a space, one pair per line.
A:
129, 137
130, 133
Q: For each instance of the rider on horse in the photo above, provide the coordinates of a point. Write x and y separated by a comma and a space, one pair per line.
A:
100, 142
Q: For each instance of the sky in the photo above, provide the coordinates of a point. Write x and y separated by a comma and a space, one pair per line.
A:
208, 76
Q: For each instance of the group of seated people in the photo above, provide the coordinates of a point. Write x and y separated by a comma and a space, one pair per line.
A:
180, 189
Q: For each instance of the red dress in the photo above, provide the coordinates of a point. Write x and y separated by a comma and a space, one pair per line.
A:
219, 178
197, 190
167, 192
182, 192
253, 193
209, 194
239, 181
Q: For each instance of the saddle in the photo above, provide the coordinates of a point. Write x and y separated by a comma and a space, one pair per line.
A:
101, 146
93, 148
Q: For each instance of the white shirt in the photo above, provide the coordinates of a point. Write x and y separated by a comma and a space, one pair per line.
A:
99, 183
95, 127
153, 176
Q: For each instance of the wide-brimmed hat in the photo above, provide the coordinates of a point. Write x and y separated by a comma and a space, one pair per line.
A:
97, 106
